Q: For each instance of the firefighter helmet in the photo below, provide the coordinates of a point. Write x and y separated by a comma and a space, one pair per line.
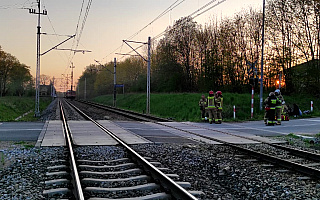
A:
219, 93
277, 92
210, 92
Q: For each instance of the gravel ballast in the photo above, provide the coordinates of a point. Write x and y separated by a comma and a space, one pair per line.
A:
23, 169
218, 171
221, 173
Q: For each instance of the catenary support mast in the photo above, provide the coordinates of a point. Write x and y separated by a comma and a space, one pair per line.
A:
44, 12
262, 51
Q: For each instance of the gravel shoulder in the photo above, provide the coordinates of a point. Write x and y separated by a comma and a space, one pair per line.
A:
23, 168
221, 173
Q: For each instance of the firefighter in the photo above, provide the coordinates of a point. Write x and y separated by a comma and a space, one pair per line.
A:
280, 102
218, 103
270, 108
210, 106
202, 106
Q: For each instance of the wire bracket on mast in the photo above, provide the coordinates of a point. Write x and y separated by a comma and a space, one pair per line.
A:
55, 47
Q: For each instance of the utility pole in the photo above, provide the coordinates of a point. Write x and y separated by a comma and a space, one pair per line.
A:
148, 75
148, 60
114, 79
44, 12
114, 83
72, 67
280, 77
78, 89
52, 89
85, 88
262, 49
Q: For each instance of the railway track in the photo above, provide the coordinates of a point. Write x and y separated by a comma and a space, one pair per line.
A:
302, 161
130, 114
131, 177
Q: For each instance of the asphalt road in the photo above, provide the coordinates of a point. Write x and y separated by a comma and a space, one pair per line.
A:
20, 131
29, 131
310, 126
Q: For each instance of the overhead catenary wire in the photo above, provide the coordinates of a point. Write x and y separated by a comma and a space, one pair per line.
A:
170, 8
193, 15
15, 6
78, 32
55, 34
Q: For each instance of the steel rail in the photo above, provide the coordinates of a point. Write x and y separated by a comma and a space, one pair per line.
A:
265, 157
281, 162
293, 151
272, 159
133, 115
169, 185
299, 152
78, 193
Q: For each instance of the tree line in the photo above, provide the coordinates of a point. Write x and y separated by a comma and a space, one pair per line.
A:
196, 58
15, 77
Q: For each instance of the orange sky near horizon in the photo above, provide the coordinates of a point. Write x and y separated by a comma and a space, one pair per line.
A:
108, 23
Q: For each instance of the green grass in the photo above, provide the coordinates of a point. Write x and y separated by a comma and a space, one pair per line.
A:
13, 107
25, 144
184, 106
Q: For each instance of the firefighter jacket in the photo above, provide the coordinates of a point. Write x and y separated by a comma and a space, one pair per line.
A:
218, 102
271, 102
202, 103
280, 99
210, 103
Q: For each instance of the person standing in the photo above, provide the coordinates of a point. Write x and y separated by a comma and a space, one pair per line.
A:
202, 106
280, 101
218, 104
270, 107
211, 106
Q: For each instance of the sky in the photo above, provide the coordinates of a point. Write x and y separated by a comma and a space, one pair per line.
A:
107, 24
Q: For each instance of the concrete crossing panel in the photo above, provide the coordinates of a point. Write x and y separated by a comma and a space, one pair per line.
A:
125, 135
53, 134
153, 133
210, 133
87, 133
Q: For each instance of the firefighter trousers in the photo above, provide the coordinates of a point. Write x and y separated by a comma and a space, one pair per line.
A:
278, 114
211, 112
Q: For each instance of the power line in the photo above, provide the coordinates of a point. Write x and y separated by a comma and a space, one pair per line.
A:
79, 32
15, 6
76, 31
84, 22
55, 33
195, 14
170, 8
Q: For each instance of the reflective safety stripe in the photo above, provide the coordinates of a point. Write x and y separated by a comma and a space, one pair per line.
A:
272, 108
273, 101
278, 106
211, 102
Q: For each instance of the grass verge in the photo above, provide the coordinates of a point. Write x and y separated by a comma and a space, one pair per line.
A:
13, 107
184, 106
